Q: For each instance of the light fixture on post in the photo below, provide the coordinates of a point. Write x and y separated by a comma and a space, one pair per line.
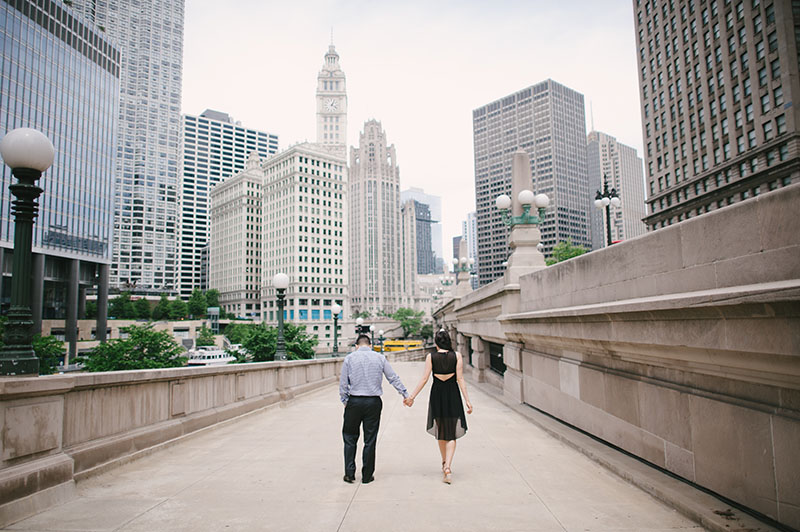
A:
602, 200
281, 282
28, 153
525, 234
372, 334
336, 309
381, 339
359, 323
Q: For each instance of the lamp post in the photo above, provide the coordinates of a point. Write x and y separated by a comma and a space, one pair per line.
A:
604, 200
372, 334
28, 153
381, 339
359, 322
281, 283
336, 309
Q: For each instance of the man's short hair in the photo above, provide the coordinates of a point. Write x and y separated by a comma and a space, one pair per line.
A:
363, 339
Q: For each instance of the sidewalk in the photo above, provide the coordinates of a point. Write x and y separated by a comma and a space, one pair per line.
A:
281, 470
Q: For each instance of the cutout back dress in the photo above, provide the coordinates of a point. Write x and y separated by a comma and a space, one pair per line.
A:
446, 419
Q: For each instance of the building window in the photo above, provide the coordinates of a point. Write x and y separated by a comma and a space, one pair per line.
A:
776, 69
778, 95
765, 104
781, 123
768, 131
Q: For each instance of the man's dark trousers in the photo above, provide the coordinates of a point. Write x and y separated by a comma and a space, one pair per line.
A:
366, 410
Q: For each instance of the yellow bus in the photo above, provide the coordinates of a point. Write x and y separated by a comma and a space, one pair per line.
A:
398, 345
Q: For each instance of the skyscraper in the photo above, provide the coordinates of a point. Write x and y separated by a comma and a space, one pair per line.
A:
214, 147
332, 105
304, 220
61, 75
374, 206
150, 34
434, 204
717, 82
548, 121
616, 164
235, 239
470, 234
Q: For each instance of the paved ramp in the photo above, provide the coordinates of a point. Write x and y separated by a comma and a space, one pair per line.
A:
281, 470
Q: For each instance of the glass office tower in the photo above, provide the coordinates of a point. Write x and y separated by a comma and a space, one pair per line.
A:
60, 75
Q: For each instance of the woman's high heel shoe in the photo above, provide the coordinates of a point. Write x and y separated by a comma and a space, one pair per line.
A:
447, 478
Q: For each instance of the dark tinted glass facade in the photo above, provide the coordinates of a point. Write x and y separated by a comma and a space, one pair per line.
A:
61, 76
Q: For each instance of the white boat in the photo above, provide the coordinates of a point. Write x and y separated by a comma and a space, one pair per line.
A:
209, 355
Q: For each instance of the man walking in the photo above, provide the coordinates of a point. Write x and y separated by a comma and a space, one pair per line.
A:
360, 388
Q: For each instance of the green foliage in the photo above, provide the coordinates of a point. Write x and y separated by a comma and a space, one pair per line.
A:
197, 304
121, 307
205, 337
363, 314
50, 351
91, 310
144, 348
260, 341
212, 298
178, 309
410, 320
161, 310
565, 250
426, 331
142, 308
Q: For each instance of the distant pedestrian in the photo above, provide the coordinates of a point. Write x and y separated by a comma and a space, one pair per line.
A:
446, 419
360, 388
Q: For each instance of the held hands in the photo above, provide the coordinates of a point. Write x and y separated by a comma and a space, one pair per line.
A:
408, 401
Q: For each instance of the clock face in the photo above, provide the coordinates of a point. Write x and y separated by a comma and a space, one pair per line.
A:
331, 105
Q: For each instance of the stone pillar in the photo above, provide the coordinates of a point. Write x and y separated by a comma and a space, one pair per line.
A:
81, 302
102, 302
71, 325
525, 256
480, 357
37, 295
512, 378
2, 270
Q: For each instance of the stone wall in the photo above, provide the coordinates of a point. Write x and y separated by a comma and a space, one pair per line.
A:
61, 428
681, 346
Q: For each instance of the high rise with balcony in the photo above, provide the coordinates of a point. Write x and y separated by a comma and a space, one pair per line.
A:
61, 75
548, 121
375, 229
617, 165
150, 35
717, 83
214, 147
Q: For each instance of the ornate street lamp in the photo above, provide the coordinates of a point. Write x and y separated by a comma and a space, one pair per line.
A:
526, 198
372, 333
359, 323
336, 309
28, 153
381, 339
602, 200
281, 283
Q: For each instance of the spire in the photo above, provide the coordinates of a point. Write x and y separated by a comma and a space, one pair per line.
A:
331, 35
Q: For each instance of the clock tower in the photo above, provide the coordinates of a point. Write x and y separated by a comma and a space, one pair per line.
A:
332, 105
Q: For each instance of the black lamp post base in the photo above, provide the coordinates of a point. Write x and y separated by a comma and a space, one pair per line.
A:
18, 361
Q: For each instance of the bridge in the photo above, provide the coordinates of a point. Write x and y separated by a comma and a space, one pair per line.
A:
652, 385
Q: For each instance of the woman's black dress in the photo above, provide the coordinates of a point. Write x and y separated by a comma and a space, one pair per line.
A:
446, 419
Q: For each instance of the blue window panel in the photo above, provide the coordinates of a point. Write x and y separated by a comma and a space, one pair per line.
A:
326, 314
303, 314
315, 314
291, 315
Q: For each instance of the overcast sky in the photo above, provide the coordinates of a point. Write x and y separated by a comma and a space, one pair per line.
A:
419, 67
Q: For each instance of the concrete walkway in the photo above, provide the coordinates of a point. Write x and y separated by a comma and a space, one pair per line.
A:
281, 469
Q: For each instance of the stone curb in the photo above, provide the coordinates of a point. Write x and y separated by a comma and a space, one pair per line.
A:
705, 509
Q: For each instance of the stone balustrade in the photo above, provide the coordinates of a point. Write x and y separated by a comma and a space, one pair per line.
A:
681, 346
61, 428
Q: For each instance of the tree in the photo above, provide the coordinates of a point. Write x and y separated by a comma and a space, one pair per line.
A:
363, 314
161, 310
121, 307
426, 331
237, 332
142, 308
177, 309
205, 337
212, 298
410, 320
197, 304
565, 250
260, 342
91, 310
50, 351
144, 348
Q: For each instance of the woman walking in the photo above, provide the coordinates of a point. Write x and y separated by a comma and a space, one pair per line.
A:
446, 419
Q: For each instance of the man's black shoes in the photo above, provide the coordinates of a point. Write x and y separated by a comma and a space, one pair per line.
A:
349, 479
367, 480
